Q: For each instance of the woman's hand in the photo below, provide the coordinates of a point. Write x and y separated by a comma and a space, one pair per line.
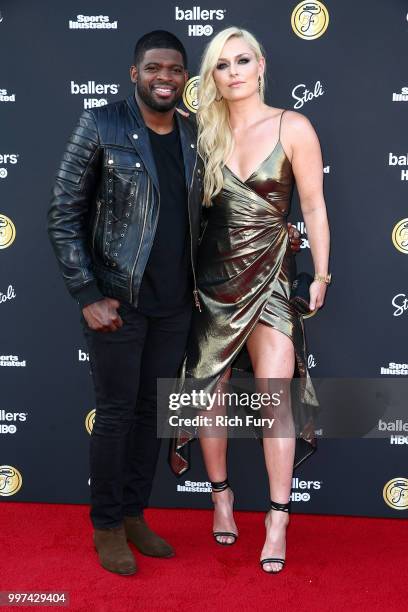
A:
317, 294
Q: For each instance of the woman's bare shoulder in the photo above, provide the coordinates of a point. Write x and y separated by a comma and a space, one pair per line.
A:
297, 123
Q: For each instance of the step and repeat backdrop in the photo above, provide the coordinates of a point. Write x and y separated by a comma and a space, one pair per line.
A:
343, 65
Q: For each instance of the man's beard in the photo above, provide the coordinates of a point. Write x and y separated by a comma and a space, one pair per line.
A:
160, 106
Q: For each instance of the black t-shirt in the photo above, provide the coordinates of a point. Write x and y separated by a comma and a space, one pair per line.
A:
166, 284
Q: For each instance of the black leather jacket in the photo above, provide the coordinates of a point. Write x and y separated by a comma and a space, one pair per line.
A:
106, 201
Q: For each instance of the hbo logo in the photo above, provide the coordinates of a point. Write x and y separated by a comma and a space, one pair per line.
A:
200, 30
5, 429
297, 496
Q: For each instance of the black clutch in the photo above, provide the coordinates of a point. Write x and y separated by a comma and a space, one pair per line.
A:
300, 295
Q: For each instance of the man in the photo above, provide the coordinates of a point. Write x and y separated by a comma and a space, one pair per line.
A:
124, 223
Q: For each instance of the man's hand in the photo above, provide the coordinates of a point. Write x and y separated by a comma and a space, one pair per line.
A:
102, 315
294, 238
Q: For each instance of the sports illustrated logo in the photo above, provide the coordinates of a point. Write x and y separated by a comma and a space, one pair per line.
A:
302, 94
394, 369
400, 303
309, 20
198, 14
194, 487
400, 236
93, 22
395, 493
8, 421
190, 94
399, 160
7, 232
92, 88
7, 158
6, 97
90, 420
9, 295
301, 488
12, 361
10, 480
401, 97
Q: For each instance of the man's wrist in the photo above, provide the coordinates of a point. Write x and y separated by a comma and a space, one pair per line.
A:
88, 294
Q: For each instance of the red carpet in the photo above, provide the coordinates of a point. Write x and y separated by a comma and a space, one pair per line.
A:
333, 563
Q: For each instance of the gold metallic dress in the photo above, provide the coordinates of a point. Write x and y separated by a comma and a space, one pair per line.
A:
244, 274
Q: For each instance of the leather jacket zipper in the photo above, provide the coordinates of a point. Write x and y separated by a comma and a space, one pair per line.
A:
98, 212
195, 290
140, 245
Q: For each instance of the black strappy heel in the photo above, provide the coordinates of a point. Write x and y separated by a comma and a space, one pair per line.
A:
282, 508
217, 487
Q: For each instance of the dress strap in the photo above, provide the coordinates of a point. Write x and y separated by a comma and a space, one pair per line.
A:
280, 122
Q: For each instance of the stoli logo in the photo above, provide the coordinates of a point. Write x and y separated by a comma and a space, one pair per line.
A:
302, 94
400, 302
9, 295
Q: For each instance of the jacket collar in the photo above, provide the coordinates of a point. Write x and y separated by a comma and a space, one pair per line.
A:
188, 146
139, 138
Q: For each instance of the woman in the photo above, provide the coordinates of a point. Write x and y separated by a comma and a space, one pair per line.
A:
252, 154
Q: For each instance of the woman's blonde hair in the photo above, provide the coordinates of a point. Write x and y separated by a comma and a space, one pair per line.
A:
215, 139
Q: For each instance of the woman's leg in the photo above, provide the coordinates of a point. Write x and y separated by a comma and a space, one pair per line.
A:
213, 442
272, 357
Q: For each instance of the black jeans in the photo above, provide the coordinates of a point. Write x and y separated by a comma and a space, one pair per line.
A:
124, 444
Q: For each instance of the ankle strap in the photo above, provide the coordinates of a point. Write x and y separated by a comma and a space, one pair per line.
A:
217, 487
278, 506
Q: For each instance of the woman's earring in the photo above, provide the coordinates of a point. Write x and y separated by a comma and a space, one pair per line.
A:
218, 99
259, 84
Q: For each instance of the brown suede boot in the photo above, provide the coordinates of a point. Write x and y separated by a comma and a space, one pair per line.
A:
113, 551
146, 541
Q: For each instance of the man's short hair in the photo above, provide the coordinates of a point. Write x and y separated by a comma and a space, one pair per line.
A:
158, 39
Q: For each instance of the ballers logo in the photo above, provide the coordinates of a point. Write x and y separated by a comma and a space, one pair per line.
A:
305, 486
93, 88
7, 158
89, 421
83, 355
190, 94
395, 493
8, 421
196, 13
310, 20
400, 236
10, 480
399, 160
7, 232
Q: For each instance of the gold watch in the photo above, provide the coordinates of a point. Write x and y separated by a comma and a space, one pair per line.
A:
323, 278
